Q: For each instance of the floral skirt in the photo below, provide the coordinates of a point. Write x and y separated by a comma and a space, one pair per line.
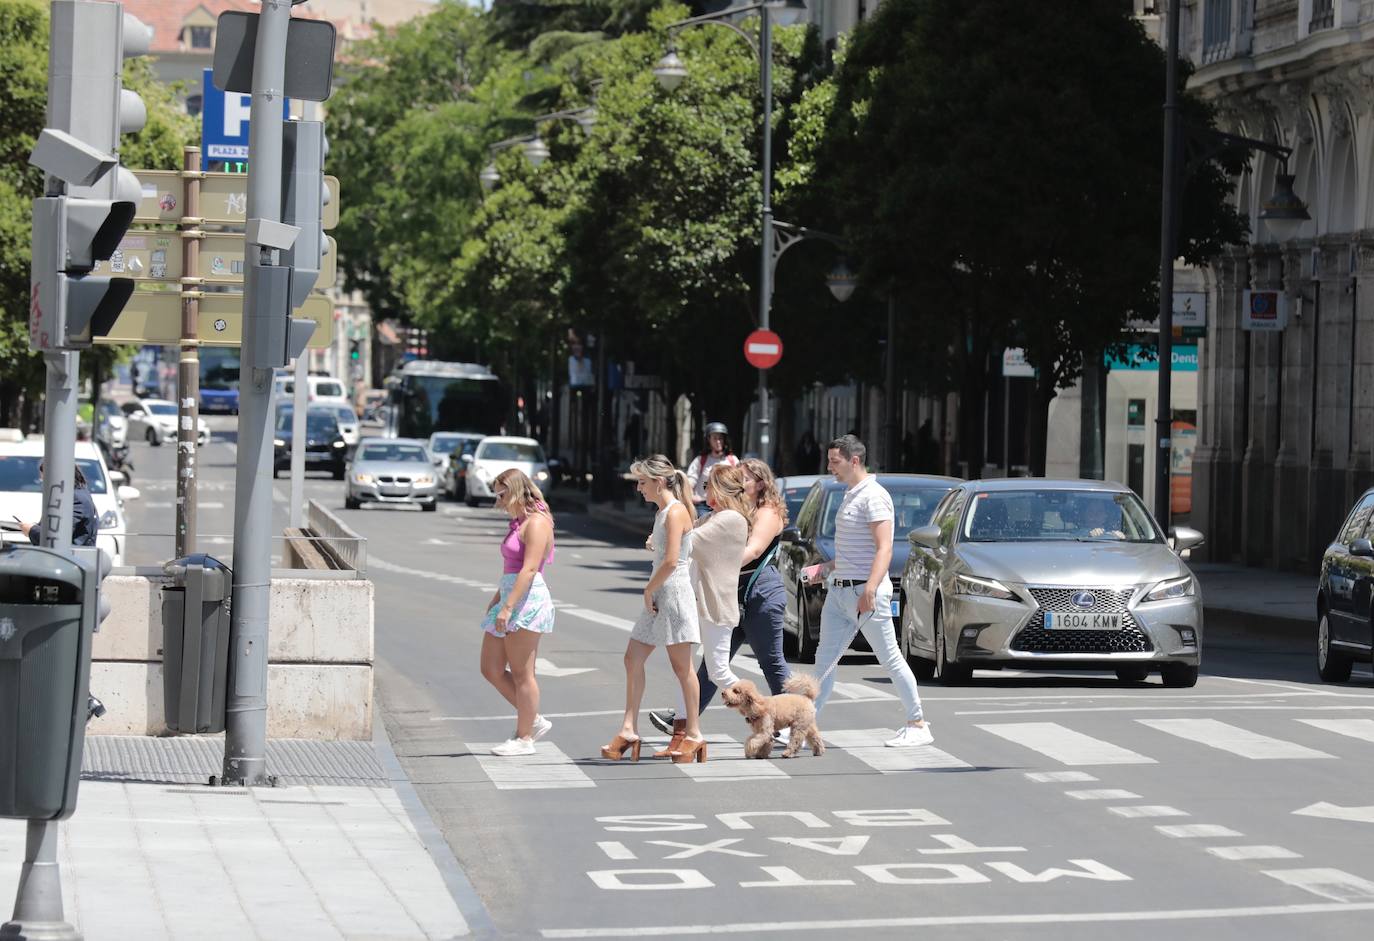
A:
532, 613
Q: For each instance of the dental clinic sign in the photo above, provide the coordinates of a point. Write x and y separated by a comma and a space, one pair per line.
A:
1264, 311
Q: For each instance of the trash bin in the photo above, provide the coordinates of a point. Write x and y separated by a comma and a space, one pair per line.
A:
195, 643
45, 660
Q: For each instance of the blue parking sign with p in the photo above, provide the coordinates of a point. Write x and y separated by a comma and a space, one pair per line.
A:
224, 125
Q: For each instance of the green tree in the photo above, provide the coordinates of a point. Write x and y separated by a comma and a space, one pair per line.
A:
24, 88
997, 167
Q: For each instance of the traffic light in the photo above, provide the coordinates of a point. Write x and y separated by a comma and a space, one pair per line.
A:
303, 149
90, 200
355, 350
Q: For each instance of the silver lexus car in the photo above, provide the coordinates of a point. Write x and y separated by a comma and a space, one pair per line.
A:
1049, 574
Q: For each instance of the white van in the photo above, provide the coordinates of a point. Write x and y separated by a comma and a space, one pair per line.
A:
322, 390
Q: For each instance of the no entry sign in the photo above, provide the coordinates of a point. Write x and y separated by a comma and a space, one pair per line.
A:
763, 349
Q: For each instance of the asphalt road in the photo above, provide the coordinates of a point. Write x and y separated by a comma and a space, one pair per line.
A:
1050, 806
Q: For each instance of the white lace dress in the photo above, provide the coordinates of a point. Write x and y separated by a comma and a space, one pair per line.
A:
676, 619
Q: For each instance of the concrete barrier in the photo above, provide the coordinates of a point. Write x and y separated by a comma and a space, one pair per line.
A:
320, 653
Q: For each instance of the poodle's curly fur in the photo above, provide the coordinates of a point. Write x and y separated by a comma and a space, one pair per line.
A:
794, 709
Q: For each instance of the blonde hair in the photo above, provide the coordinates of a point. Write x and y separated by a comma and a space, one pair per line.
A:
522, 494
658, 467
768, 493
726, 487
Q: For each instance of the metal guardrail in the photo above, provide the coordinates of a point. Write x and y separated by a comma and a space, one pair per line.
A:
334, 536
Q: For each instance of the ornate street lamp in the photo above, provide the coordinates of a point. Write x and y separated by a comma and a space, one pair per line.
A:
1283, 212
670, 71
841, 281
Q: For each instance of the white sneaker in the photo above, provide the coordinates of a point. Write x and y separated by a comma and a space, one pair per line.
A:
783, 736
911, 736
541, 728
514, 747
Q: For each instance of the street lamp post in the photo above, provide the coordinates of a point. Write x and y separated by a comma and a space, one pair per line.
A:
670, 72
1283, 212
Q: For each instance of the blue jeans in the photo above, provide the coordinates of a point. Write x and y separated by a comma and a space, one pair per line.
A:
840, 621
761, 625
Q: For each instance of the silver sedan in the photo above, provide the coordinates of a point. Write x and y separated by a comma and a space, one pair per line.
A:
391, 470
1050, 574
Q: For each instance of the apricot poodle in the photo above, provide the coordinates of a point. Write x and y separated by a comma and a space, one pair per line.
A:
794, 709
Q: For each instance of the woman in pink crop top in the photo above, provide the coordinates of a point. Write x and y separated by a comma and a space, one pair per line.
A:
521, 611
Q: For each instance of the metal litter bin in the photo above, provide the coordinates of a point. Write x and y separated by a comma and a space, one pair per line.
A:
45, 662
195, 643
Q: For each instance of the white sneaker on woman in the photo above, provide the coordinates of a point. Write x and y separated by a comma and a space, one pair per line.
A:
514, 747
541, 728
912, 735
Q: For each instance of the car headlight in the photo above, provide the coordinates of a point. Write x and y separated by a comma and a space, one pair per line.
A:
109, 520
1171, 588
278, 443
424, 479
541, 475
362, 478
981, 588
338, 444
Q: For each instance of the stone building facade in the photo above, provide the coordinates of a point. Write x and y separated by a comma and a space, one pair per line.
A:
1286, 418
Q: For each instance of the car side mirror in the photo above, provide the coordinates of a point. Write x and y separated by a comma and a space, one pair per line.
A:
927, 536
1363, 548
117, 477
128, 493
1183, 538
791, 534
467, 458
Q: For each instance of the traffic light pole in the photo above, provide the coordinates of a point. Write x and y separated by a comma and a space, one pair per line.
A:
188, 364
245, 746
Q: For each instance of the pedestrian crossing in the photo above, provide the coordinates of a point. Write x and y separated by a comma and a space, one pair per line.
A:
1021, 745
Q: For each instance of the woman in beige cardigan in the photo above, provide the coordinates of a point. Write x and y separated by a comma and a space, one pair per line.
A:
718, 544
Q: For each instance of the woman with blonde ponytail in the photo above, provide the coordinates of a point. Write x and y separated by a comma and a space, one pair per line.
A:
669, 617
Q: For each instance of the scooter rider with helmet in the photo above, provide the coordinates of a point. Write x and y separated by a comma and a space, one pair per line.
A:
716, 450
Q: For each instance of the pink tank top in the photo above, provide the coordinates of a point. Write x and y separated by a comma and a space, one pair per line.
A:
513, 547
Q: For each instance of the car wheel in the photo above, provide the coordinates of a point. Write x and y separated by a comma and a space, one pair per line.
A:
469, 500
923, 668
1133, 673
430, 507
806, 646
1179, 675
153, 438
948, 673
351, 504
1332, 667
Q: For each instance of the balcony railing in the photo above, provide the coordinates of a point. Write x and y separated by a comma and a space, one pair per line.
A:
1217, 38
1323, 15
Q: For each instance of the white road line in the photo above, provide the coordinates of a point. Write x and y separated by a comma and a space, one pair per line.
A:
1148, 810
1230, 738
781, 928
547, 768
1065, 745
1103, 794
860, 691
1217, 707
1363, 729
509, 717
1194, 831
596, 617
1292, 687
1328, 883
725, 761
867, 746
1059, 777
1252, 852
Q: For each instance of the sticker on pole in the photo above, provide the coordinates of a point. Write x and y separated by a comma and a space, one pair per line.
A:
763, 349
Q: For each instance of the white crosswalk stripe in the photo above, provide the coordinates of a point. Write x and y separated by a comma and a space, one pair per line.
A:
1333, 884
726, 762
860, 691
867, 746
1233, 739
1064, 745
1362, 729
547, 768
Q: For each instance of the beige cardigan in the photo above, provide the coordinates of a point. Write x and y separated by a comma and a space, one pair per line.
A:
717, 547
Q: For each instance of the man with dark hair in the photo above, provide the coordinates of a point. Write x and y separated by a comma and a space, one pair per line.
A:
859, 596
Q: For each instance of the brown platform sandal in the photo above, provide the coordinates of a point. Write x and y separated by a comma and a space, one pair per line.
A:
690, 751
619, 746
679, 730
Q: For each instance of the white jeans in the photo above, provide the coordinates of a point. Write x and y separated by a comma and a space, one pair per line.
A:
715, 653
841, 620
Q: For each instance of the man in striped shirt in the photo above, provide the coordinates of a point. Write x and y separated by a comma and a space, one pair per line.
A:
859, 595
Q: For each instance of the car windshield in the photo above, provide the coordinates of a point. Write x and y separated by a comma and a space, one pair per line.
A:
19, 473
912, 506
511, 451
447, 444
161, 408
331, 390
794, 497
392, 452
109, 408
345, 415
317, 424
1058, 516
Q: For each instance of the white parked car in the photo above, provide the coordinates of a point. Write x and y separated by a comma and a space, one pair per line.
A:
155, 421
112, 427
497, 454
319, 390
21, 491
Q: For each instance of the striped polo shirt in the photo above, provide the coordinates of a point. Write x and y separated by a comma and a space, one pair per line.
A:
864, 503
